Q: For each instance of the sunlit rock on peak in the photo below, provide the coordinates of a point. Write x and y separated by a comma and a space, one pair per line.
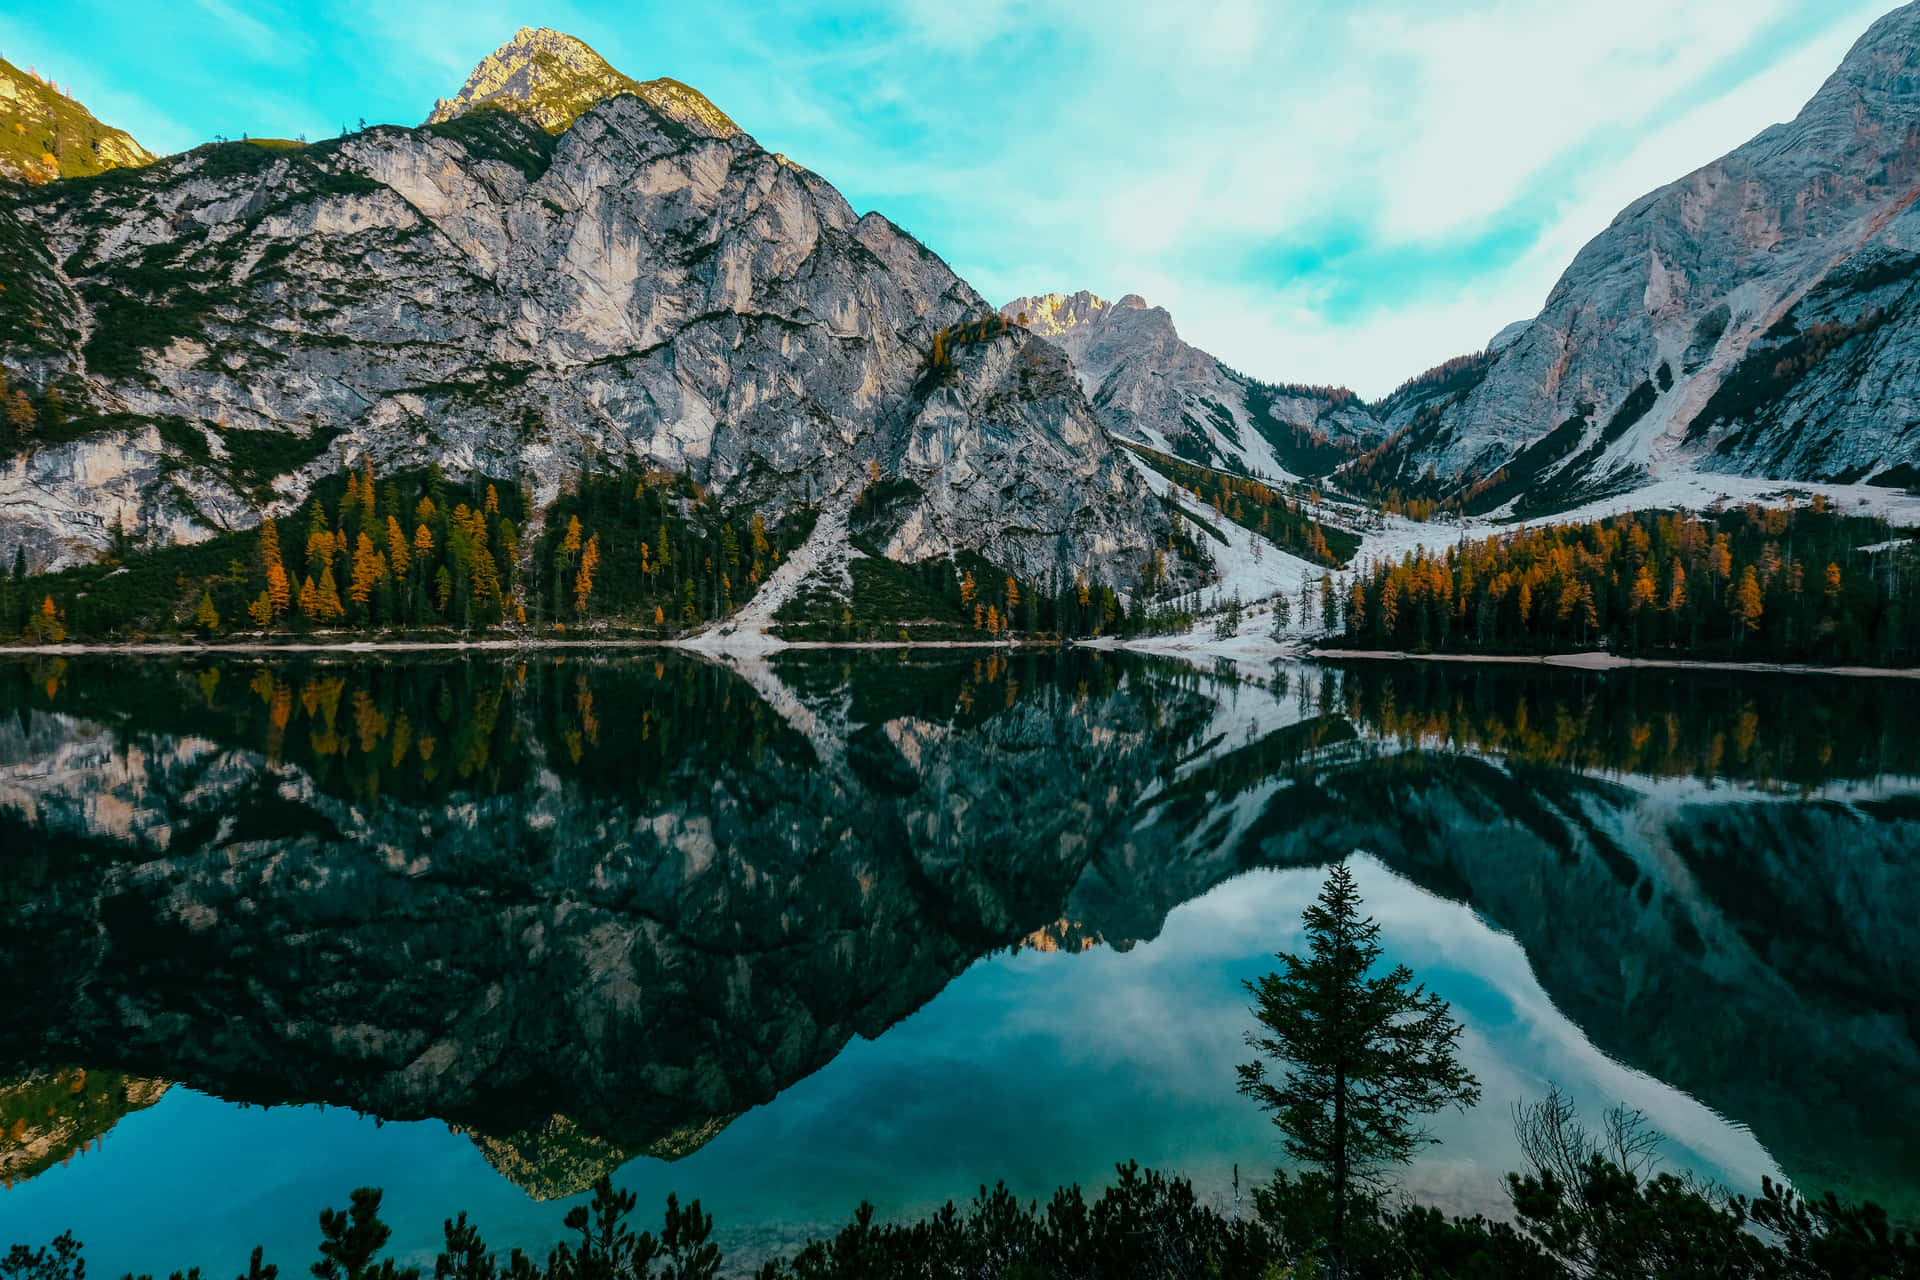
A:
553, 78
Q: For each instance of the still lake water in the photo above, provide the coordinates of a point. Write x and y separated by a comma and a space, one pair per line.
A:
788, 935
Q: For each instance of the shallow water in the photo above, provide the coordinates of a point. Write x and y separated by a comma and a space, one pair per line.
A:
843, 926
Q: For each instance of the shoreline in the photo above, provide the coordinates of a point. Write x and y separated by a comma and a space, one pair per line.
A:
762, 645
754, 646
1596, 661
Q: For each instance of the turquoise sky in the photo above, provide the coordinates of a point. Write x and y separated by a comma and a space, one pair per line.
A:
1319, 190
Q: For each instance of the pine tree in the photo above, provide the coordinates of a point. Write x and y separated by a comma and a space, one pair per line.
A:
350, 1238
1361, 1055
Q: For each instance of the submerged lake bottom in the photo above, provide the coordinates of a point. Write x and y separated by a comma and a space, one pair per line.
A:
790, 934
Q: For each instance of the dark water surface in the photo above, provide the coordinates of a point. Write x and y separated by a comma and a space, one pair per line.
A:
786, 935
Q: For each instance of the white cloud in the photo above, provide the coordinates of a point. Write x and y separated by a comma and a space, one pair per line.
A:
1397, 137
1167, 152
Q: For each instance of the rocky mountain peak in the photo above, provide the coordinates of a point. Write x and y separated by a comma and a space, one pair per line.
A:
1052, 314
551, 78
1150, 387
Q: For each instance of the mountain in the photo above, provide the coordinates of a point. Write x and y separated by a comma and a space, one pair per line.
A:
1149, 386
44, 134
551, 79
646, 288
1757, 316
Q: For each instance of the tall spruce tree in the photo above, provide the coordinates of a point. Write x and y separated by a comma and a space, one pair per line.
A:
1360, 1055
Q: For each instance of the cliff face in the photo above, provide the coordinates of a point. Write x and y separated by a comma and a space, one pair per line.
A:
1756, 316
649, 287
1149, 386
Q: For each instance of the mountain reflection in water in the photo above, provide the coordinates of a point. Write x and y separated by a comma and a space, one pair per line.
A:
585, 911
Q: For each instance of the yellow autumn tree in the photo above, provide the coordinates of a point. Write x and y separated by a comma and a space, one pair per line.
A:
206, 617
369, 566
397, 555
1748, 601
1720, 557
47, 626
1645, 590
20, 414
279, 592
583, 579
320, 546
326, 598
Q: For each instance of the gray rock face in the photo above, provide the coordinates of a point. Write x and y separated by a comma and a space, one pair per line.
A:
1755, 316
650, 287
1148, 385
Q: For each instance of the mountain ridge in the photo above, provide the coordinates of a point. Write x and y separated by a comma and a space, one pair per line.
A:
1151, 387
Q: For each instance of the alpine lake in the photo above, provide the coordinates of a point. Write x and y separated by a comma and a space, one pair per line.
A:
789, 933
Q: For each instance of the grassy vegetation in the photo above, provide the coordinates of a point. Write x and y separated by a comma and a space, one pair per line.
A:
46, 135
495, 133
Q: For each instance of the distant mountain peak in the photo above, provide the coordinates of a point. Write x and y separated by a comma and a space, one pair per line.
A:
45, 134
552, 78
1052, 314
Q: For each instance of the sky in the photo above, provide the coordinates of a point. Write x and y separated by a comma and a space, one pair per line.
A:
1326, 191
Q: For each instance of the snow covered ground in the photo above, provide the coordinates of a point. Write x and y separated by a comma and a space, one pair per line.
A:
1388, 538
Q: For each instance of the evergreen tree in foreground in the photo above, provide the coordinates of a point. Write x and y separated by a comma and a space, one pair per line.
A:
1360, 1056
